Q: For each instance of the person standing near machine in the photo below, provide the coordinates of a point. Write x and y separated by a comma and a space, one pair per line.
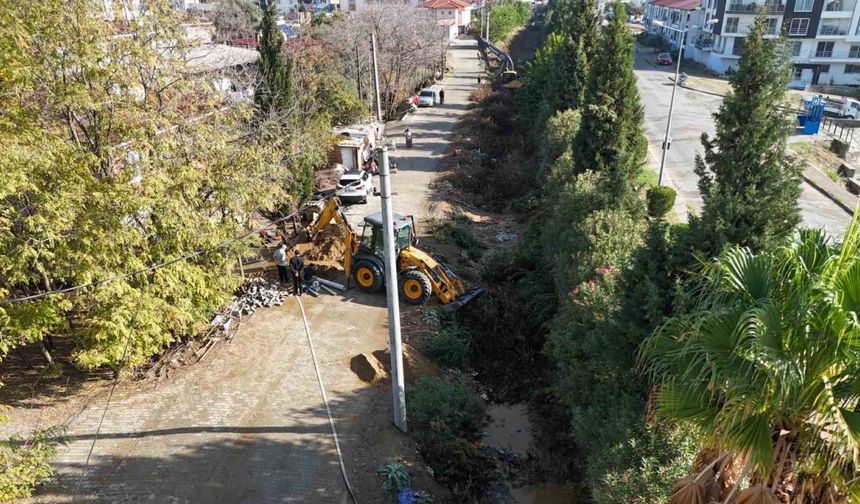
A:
297, 264
281, 261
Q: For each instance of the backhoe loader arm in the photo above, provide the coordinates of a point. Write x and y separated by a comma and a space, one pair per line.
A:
334, 212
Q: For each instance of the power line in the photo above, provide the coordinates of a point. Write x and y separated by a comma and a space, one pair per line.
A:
107, 403
120, 276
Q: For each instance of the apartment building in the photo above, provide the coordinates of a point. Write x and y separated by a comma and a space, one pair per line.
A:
824, 34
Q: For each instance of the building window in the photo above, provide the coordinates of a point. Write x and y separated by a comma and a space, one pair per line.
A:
852, 69
824, 50
738, 47
795, 49
798, 73
732, 25
854, 51
803, 5
352, 5
798, 26
771, 26
823, 68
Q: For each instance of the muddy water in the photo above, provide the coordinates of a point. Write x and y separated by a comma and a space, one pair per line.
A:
509, 428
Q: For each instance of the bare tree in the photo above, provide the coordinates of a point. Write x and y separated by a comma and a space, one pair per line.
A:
409, 42
236, 18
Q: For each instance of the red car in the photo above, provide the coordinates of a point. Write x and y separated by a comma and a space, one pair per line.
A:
664, 59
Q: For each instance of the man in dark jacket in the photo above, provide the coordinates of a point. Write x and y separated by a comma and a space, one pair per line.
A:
297, 265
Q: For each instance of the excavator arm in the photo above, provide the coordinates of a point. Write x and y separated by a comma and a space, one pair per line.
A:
332, 211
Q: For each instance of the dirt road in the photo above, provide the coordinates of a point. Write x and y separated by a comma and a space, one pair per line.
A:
248, 424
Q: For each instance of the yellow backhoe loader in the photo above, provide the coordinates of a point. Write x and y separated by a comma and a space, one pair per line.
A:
419, 275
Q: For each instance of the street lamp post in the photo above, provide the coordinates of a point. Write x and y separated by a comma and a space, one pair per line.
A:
674, 87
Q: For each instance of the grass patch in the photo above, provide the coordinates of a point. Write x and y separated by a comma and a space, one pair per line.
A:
646, 178
458, 230
819, 156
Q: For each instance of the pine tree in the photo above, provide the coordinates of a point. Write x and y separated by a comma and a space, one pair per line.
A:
748, 183
277, 92
611, 140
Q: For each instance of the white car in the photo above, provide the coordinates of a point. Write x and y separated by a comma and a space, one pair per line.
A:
355, 185
426, 98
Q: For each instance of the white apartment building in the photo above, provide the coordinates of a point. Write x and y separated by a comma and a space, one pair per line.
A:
824, 34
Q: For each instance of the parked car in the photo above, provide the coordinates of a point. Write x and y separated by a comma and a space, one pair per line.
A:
355, 185
426, 98
664, 58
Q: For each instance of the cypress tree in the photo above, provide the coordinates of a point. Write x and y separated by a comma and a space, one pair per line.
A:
611, 140
277, 91
581, 37
748, 183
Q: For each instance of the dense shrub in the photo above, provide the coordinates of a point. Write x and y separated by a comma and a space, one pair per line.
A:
447, 420
506, 17
655, 41
446, 407
661, 199
449, 347
465, 468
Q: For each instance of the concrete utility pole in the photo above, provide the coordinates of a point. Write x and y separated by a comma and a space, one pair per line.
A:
488, 23
398, 388
376, 79
358, 73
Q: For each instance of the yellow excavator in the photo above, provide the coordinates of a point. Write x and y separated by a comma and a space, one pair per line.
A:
419, 275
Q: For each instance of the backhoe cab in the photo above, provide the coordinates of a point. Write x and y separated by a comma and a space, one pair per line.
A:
419, 275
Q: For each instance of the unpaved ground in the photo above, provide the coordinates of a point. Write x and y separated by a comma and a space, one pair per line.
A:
248, 423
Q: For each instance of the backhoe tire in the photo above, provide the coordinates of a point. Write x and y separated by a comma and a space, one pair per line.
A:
368, 276
415, 288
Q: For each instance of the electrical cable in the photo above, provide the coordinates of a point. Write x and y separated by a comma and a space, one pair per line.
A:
122, 361
152, 267
325, 401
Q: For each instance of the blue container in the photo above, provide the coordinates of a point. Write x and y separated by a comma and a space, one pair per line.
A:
406, 496
801, 120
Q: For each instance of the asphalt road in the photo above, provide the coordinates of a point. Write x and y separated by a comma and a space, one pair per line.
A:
692, 117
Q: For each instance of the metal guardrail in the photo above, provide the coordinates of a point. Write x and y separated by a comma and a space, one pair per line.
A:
841, 129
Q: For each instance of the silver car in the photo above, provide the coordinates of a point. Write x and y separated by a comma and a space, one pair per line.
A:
355, 186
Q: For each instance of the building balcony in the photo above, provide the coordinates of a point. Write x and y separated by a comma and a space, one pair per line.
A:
838, 9
752, 8
704, 42
830, 30
840, 55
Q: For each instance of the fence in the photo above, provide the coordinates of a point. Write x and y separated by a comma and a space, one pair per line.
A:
841, 129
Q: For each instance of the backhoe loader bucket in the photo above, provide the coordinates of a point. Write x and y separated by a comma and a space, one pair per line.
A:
463, 299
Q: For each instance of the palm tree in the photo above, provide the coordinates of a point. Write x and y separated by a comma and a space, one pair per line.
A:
766, 366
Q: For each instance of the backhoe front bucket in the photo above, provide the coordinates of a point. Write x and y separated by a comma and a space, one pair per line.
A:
463, 299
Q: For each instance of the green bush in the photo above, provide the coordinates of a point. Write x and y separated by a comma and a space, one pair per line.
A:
465, 468
655, 41
394, 476
661, 199
457, 230
450, 347
446, 407
24, 462
506, 17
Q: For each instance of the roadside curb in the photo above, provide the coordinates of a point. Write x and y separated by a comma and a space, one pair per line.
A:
844, 206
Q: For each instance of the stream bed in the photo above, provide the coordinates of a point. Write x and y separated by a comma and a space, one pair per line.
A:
509, 429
